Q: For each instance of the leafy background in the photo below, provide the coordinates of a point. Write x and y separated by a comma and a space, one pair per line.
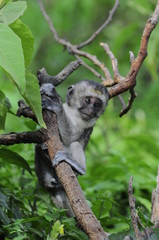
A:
119, 147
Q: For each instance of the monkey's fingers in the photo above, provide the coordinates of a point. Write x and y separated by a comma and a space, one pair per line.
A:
47, 89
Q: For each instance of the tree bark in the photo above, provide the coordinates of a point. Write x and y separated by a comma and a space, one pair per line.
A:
85, 216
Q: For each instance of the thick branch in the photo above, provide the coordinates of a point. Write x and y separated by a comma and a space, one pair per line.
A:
84, 215
38, 136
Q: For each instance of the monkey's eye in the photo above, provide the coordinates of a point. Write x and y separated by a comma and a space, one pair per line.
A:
88, 100
97, 104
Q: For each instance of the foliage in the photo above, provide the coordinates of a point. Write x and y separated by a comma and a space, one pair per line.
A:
119, 147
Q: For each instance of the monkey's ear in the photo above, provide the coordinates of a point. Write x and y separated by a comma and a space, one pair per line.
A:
70, 92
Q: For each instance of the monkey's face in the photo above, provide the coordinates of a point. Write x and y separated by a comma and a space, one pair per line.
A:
88, 99
90, 107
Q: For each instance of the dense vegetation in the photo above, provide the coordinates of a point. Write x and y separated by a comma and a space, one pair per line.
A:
119, 147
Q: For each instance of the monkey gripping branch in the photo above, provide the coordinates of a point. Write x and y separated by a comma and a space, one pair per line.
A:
50, 137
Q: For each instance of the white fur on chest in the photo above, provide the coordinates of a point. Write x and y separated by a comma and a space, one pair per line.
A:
77, 124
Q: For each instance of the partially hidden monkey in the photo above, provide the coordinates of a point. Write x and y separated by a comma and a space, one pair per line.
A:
85, 102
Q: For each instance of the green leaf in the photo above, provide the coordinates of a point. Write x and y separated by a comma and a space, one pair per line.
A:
14, 158
57, 229
4, 107
11, 56
26, 37
33, 97
12, 11
3, 110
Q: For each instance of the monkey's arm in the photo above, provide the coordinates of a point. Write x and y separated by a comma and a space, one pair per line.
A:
51, 101
76, 158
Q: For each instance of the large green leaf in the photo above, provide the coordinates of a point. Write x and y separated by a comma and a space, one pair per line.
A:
33, 97
26, 37
11, 56
11, 157
12, 11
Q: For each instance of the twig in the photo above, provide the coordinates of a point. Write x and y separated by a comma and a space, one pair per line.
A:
155, 203
134, 219
101, 28
25, 111
133, 95
117, 78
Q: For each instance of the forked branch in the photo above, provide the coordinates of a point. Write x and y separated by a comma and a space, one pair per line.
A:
118, 84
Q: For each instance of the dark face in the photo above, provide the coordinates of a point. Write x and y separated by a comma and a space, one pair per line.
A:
90, 107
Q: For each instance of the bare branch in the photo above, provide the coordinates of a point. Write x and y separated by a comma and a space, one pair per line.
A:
133, 95
117, 78
130, 80
38, 136
60, 77
25, 111
155, 203
72, 49
101, 28
72, 66
134, 219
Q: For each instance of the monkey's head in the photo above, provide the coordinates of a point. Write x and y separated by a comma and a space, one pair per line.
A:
89, 98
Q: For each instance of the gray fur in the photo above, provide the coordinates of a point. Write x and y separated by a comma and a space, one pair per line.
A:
85, 102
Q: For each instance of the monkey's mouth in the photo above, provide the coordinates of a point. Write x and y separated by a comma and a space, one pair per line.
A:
86, 115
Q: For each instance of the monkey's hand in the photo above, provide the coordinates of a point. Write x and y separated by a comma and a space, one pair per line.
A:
47, 89
49, 104
64, 156
50, 99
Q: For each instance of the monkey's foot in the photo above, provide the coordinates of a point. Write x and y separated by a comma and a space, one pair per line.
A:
64, 156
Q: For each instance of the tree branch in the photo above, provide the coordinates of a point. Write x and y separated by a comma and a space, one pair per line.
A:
85, 217
25, 111
130, 80
134, 219
118, 84
74, 49
133, 95
38, 136
60, 77
155, 204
